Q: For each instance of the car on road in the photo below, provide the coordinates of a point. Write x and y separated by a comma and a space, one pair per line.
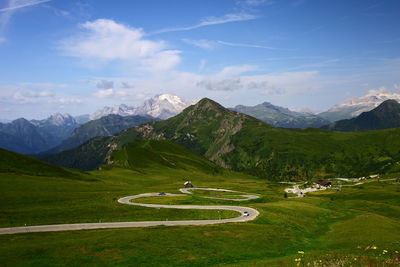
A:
161, 194
246, 214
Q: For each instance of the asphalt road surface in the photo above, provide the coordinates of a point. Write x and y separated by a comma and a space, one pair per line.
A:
246, 214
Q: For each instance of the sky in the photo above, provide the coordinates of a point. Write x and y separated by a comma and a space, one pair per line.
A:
77, 56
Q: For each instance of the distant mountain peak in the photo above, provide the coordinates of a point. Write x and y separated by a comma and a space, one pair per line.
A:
353, 107
386, 115
389, 104
61, 119
161, 106
281, 117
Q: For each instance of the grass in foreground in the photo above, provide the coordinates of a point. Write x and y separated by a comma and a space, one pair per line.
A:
327, 226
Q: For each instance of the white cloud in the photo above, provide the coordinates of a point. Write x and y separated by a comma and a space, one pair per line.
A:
205, 44
236, 70
36, 94
253, 3
105, 84
208, 21
113, 93
27, 96
68, 100
33, 97
17, 4
211, 44
286, 83
202, 64
247, 45
105, 41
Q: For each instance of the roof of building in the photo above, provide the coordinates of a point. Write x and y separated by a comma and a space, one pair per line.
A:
324, 182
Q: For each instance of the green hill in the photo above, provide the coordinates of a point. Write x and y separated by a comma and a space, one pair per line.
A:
88, 156
242, 143
12, 162
385, 116
160, 154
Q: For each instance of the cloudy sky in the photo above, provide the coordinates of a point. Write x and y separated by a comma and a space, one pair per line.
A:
78, 55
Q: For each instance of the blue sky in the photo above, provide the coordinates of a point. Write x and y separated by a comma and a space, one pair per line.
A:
77, 56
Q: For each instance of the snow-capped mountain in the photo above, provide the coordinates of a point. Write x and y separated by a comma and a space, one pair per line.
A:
160, 106
122, 110
353, 107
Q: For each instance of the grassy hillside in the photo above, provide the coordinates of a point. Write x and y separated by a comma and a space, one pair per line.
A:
278, 154
35, 193
242, 143
159, 154
12, 162
88, 156
328, 226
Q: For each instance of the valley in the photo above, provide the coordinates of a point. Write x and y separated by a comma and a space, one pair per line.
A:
316, 224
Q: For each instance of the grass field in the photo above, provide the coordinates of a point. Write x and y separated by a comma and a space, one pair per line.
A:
328, 226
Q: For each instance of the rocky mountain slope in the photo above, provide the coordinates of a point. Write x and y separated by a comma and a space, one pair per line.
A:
58, 127
385, 116
35, 136
22, 136
281, 117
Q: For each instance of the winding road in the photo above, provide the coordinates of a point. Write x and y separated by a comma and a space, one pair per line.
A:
246, 214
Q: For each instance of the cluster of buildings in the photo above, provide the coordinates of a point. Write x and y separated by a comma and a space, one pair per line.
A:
372, 176
322, 184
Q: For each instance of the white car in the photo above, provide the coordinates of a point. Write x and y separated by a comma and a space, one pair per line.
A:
246, 214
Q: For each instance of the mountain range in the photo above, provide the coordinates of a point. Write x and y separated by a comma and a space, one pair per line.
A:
385, 116
242, 143
281, 117
36, 136
353, 107
55, 133
160, 106
105, 126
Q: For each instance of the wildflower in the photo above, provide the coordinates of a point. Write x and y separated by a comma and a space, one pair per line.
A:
396, 251
384, 251
300, 252
374, 247
297, 259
